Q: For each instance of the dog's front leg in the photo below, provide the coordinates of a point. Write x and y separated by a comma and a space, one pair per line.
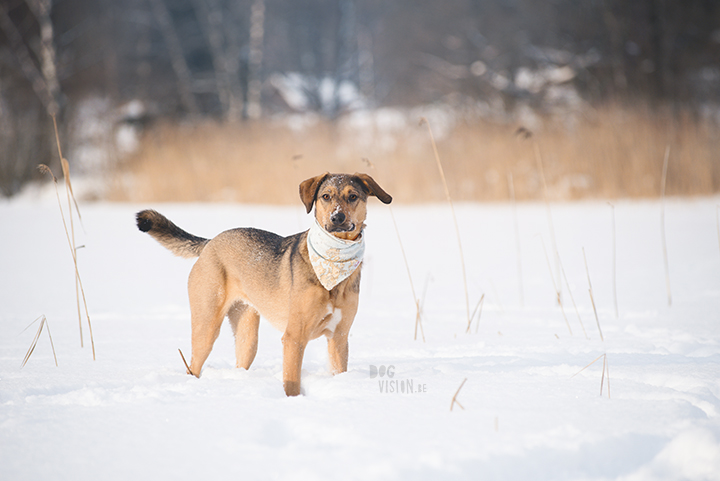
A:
338, 353
294, 343
338, 343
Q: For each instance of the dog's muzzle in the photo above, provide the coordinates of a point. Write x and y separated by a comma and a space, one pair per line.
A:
338, 223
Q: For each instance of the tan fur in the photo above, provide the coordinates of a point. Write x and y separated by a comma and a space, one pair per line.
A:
247, 273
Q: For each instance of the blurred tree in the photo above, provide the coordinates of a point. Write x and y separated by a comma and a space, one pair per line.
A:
216, 57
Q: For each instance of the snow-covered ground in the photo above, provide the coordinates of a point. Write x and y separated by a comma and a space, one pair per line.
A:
529, 412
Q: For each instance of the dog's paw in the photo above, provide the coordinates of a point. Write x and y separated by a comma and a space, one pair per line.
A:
292, 388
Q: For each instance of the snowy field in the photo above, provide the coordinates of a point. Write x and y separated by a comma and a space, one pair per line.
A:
529, 412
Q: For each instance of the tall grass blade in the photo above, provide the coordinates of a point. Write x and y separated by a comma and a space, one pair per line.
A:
539, 160
717, 222
555, 288
605, 372
418, 307
591, 363
43, 324
572, 298
452, 209
592, 299
662, 224
454, 398
606, 364
511, 186
418, 321
479, 306
71, 196
70, 238
614, 262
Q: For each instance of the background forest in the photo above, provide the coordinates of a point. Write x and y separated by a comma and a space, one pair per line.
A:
210, 94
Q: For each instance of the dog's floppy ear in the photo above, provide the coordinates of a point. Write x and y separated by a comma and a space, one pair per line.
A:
373, 188
309, 189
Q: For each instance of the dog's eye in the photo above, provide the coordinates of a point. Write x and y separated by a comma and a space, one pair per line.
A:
326, 196
353, 197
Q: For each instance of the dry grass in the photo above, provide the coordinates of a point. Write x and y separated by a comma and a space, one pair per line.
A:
613, 152
80, 291
43, 324
454, 217
592, 298
605, 370
454, 398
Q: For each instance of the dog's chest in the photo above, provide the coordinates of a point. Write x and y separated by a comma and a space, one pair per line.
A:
332, 318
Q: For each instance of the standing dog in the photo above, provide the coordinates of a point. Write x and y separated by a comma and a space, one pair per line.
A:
306, 285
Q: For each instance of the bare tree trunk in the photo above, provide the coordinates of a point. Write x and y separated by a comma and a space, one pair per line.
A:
182, 71
30, 70
657, 38
210, 20
366, 66
346, 67
257, 35
110, 57
41, 9
233, 46
616, 44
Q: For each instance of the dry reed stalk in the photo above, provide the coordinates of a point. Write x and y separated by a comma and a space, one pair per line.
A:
186, 364
418, 308
418, 321
428, 278
572, 298
606, 369
43, 323
592, 299
70, 197
454, 398
511, 187
717, 222
480, 305
472, 316
497, 297
46, 170
614, 261
557, 292
662, 224
539, 161
452, 209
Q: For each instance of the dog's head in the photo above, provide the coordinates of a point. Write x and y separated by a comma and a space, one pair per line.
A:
340, 201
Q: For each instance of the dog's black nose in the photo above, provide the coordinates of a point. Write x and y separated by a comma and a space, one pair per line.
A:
337, 218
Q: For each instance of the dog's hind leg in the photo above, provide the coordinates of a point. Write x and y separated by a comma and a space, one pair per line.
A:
207, 311
245, 322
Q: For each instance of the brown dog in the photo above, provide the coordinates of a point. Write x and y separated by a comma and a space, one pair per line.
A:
306, 285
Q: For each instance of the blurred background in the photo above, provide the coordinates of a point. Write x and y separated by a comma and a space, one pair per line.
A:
239, 100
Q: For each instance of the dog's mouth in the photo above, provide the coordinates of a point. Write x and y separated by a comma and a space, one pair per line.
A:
342, 228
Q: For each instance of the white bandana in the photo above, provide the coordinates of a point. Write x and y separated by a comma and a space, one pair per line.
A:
333, 259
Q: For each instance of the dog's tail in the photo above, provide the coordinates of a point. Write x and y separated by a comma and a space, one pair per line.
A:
169, 235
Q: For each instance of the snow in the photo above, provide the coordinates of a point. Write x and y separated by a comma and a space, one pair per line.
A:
530, 410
